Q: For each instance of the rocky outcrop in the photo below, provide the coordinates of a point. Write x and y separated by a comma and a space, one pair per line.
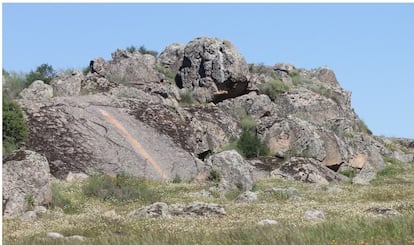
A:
37, 91
25, 182
216, 66
67, 84
95, 133
129, 68
137, 102
235, 172
161, 209
307, 170
201, 130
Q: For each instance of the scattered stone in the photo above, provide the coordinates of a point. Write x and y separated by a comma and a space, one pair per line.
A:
267, 222
383, 211
158, 209
204, 209
314, 214
40, 210
37, 91
76, 237
288, 191
55, 235
307, 170
75, 177
202, 193
247, 196
28, 216
111, 215
364, 176
334, 189
161, 209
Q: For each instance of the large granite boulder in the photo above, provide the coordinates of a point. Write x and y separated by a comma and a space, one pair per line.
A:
235, 172
216, 66
38, 91
67, 84
25, 182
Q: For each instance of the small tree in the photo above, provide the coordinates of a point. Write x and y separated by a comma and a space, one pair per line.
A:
143, 50
250, 145
43, 72
14, 126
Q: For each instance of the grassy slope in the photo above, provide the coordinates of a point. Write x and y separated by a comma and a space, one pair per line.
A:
346, 221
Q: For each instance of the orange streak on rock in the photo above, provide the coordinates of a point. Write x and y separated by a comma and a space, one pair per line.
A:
137, 146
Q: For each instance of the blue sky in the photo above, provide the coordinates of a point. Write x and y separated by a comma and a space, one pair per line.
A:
369, 46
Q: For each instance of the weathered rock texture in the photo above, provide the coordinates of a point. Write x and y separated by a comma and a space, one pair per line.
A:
216, 66
65, 84
235, 172
25, 181
161, 209
38, 90
152, 116
96, 134
307, 170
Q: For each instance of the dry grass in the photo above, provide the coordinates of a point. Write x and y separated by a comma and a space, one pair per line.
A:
344, 205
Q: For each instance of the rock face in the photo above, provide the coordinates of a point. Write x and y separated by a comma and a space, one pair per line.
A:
234, 171
216, 66
92, 134
25, 180
307, 170
67, 84
38, 90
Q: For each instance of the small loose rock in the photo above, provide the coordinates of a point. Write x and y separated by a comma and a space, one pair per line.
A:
267, 222
314, 214
55, 235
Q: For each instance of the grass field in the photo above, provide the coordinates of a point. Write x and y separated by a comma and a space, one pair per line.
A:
77, 211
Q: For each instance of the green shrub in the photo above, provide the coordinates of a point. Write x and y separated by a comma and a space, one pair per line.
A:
131, 49
393, 169
274, 88
86, 70
248, 123
143, 50
120, 188
233, 194
177, 179
186, 99
30, 202
167, 72
296, 78
350, 173
43, 72
251, 146
214, 176
60, 199
363, 128
13, 84
14, 126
